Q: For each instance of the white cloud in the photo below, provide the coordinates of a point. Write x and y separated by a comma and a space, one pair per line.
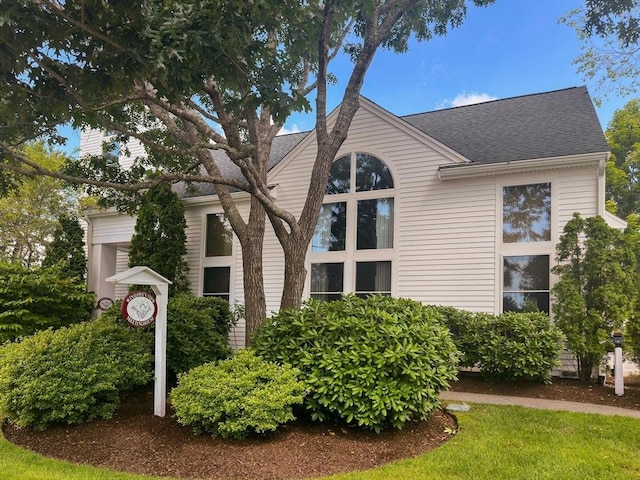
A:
465, 98
293, 129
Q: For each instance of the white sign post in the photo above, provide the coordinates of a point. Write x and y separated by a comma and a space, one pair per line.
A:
160, 286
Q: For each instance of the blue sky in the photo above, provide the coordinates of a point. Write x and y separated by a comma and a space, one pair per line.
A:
512, 48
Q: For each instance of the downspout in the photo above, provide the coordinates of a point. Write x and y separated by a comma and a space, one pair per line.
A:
601, 197
88, 244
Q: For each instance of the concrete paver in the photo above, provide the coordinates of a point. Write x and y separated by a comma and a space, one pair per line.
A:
540, 403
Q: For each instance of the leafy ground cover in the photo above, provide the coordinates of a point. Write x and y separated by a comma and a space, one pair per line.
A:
492, 442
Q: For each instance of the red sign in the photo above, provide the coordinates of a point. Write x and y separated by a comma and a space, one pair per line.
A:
139, 309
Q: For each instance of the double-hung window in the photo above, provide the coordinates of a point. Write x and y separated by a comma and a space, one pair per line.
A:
526, 247
352, 249
217, 261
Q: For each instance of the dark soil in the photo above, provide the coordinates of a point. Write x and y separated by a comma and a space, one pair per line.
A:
136, 441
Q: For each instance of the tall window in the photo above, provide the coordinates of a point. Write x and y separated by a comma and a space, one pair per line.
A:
526, 247
217, 256
353, 245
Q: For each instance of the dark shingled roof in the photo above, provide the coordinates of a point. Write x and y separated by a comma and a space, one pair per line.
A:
543, 125
282, 145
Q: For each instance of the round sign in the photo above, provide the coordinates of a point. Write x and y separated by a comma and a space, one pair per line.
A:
105, 303
139, 309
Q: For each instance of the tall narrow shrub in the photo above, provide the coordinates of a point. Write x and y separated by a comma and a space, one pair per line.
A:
596, 288
67, 248
159, 241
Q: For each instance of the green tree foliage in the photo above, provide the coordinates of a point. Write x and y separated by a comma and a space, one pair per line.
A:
39, 298
28, 211
609, 30
596, 289
237, 397
632, 325
160, 241
193, 76
623, 168
70, 375
67, 248
377, 362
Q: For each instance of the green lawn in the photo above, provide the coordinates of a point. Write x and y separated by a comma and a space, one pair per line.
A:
493, 442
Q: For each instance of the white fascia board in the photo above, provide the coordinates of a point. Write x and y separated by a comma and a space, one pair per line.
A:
447, 172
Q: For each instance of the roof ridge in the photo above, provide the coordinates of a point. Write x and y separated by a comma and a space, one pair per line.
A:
492, 101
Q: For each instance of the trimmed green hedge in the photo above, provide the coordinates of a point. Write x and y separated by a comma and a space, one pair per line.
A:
374, 362
236, 397
510, 346
33, 299
70, 375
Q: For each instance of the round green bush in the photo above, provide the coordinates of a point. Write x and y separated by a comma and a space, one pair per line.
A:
236, 397
510, 346
71, 374
375, 362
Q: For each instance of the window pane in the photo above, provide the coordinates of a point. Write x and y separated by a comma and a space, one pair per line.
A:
529, 272
527, 213
373, 277
327, 280
375, 224
371, 174
219, 236
216, 282
340, 176
331, 230
526, 302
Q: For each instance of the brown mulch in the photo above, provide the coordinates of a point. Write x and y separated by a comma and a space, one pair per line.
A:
136, 441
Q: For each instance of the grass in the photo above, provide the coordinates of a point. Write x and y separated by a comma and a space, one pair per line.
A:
493, 442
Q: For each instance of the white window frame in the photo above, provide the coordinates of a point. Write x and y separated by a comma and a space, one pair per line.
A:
220, 261
350, 255
517, 249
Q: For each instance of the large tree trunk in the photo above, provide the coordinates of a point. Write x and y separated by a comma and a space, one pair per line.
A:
255, 306
294, 273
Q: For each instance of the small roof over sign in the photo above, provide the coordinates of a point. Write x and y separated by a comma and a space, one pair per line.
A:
139, 276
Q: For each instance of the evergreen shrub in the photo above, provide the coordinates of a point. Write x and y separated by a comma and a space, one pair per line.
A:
33, 299
510, 346
237, 397
70, 375
197, 330
374, 362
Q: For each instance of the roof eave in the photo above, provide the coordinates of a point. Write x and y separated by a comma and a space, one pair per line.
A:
457, 171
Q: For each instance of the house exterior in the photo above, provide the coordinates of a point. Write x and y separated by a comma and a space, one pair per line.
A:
460, 207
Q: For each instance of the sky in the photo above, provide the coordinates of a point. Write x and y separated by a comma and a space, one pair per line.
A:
511, 48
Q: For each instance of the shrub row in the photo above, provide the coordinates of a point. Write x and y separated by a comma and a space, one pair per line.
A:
71, 374
374, 362
510, 346
236, 397
34, 299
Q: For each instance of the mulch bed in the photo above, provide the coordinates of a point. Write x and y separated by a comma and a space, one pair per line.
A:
136, 441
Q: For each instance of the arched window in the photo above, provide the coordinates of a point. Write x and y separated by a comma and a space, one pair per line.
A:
353, 245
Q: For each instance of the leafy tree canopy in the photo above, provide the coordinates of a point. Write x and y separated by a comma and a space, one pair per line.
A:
610, 30
28, 210
623, 168
190, 77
